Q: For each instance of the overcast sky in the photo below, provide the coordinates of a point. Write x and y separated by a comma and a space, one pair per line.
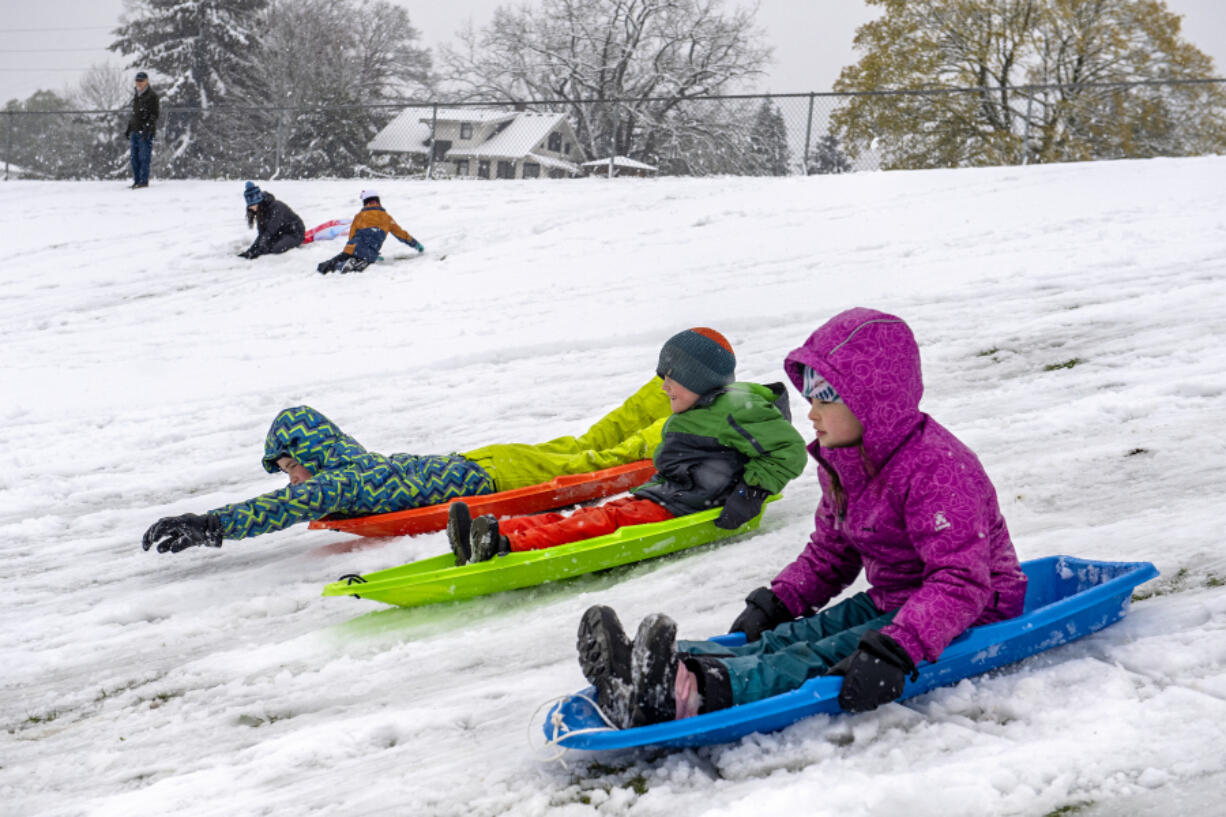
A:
47, 44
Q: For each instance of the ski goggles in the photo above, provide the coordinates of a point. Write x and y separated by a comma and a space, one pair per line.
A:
816, 387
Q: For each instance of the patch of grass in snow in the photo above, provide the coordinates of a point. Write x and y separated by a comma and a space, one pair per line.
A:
1068, 364
1071, 808
1183, 579
1136, 451
989, 352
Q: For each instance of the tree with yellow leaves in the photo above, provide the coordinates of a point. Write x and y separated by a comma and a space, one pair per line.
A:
1043, 84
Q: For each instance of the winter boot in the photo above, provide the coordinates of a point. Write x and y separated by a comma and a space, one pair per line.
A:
604, 657
459, 520
486, 543
653, 666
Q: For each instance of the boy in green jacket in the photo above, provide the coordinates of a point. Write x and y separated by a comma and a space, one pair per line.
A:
726, 443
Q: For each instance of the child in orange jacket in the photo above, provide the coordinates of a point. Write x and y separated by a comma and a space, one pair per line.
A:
366, 236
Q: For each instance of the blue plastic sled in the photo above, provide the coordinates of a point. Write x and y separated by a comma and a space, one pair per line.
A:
1066, 599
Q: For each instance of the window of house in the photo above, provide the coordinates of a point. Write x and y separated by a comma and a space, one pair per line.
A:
532, 170
466, 130
506, 170
567, 151
461, 167
555, 142
483, 169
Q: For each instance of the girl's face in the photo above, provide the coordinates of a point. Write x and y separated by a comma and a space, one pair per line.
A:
298, 474
679, 397
835, 425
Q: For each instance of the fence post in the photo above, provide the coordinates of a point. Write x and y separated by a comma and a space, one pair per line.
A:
1026, 131
276, 171
613, 151
8, 143
433, 137
804, 157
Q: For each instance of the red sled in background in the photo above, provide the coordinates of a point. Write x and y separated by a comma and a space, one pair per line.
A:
569, 489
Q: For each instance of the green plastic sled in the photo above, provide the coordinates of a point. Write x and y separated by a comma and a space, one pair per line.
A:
437, 579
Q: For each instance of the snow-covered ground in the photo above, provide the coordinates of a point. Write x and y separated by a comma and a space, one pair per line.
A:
1072, 321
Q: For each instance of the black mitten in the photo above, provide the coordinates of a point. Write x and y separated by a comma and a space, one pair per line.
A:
175, 533
874, 674
743, 504
763, 611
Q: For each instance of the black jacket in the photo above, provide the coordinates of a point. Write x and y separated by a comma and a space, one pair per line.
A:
144, 118
278, 226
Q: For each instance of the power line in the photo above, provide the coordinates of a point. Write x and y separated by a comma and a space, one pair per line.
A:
45, 50
39, 70
76, 28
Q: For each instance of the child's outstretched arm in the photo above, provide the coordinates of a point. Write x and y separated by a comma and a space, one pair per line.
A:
326, 493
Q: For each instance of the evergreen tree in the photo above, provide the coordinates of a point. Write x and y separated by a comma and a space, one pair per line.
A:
44, 143
768, 142
203, 55
827, 156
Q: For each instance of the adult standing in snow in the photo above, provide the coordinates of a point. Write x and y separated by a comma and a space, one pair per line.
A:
331, 473
903, 500
366, 236
279, 227
142, 127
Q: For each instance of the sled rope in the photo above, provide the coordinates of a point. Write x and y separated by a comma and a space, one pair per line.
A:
560, 730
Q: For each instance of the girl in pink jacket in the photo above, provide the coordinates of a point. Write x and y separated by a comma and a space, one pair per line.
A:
902, 500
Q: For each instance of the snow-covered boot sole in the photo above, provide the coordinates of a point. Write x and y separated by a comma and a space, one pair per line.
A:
459, 524
653, 666
484, 540
604, 657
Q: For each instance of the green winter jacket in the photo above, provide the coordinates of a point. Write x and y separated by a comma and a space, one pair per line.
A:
734, 433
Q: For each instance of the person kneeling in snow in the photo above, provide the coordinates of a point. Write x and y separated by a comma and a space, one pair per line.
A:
279, 228
331, 473
902, 498
366, 236
726, 443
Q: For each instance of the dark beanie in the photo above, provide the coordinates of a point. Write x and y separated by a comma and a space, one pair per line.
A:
252, 194
700, 359
142, 75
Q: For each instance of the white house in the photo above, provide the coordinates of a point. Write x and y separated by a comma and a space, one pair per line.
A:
486, 144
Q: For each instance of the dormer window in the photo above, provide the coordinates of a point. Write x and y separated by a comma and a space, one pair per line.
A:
466, 130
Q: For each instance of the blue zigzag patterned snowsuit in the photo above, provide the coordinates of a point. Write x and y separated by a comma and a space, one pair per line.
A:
347, 479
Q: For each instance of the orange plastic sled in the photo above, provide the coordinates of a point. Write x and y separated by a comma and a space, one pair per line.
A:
559, 492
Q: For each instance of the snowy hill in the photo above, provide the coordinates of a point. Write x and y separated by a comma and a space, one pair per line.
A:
1072, 321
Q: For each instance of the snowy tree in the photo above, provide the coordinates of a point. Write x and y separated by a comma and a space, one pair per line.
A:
329, 57
827, 156
43, 141
651, 56
205, 54
104, 151
993, 46
768, 142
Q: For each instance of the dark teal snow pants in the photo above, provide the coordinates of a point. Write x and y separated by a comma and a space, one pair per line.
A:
792, 653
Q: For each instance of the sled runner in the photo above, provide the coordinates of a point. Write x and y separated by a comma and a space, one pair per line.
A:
429, 581
1066, 599
569, 489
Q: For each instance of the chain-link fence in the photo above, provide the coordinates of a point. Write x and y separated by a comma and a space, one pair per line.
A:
756, 135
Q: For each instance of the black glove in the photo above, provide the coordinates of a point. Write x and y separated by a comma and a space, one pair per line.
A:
246, 254
743, 504
175, 533
874, 674
763, 611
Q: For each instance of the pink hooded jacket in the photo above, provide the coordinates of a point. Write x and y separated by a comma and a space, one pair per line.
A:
921, 515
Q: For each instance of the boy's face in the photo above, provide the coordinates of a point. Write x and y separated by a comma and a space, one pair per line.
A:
835, 425
297, 473
679, 397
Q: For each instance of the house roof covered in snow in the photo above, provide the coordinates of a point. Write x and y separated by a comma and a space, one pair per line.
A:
526, 131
